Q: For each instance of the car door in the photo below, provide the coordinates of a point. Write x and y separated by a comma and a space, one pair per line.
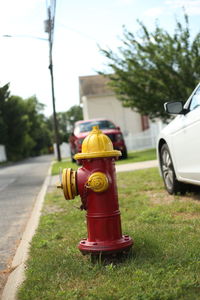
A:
186, 141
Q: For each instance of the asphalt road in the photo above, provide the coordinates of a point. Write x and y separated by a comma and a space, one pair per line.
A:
19, 187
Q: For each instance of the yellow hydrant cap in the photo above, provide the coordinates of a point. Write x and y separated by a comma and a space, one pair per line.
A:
97, 144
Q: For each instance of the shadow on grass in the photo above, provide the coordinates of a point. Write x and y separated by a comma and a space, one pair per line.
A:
194, 192
143, 251
114, 258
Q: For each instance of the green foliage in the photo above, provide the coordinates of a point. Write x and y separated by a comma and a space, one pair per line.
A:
66, 122
155, 67
23, 128
38, 128
75, 113
4, 94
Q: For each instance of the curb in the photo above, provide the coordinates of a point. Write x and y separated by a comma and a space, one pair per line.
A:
17, 276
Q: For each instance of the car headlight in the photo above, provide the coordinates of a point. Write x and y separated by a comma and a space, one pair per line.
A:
79, 141
119, 137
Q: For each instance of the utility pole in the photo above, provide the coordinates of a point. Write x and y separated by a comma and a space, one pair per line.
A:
49, 28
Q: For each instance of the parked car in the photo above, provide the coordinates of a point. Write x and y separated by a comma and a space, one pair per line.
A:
178, 145
82, 129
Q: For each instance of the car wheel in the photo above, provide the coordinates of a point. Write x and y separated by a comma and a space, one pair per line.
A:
124, 154
172, 185
72, 158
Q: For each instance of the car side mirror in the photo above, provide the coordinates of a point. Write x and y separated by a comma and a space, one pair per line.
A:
175, 108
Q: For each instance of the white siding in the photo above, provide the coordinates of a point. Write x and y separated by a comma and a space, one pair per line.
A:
146, 139
110, 108
85, 108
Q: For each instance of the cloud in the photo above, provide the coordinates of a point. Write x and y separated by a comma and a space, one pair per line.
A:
192, 7
154, 12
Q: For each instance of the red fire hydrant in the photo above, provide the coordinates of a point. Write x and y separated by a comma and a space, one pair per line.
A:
95, 182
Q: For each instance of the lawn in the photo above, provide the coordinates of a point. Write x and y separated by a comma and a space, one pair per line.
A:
136, 156
164, 263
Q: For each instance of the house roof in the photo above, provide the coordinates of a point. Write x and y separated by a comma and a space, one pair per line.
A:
94, 85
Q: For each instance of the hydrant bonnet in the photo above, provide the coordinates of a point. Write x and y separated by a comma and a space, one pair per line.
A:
97, 144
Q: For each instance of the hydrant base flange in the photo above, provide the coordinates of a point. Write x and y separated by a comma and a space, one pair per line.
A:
116, 246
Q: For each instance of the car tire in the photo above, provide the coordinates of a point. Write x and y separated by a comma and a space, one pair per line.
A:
173, 186
72, 158
124, 154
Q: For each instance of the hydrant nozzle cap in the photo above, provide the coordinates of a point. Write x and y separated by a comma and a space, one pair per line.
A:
97, 144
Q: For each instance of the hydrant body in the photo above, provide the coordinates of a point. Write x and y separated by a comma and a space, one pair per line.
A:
103, 215
96, 184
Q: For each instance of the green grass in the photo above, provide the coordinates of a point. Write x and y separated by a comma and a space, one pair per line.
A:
164, 263
5, 163
136, 156
65, 163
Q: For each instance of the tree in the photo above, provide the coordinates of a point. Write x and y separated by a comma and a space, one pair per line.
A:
23, 128
154, 68
4, 94
38, 126
18, 141
66, 121
74, 114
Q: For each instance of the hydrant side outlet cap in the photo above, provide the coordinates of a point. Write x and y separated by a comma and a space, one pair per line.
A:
98, 182
97, 144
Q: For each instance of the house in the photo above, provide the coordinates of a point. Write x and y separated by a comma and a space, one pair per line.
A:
99, 101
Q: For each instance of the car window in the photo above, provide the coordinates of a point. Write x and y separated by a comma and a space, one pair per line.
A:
87, 126
195, 102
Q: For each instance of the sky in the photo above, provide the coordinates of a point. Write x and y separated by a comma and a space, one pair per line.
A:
80, 26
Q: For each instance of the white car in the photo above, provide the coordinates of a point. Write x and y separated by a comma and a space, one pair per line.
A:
178, 146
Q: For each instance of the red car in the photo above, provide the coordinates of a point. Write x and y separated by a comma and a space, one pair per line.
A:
82, 128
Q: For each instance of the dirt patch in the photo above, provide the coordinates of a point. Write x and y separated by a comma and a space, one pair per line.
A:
160, 197
196, 197
165, 198
52, 209
3, 278
51, 188
186, 215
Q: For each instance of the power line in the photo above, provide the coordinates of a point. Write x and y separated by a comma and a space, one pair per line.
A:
79, 32
24, 36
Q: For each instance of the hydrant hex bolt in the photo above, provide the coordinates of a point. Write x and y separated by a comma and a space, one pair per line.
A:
95, 182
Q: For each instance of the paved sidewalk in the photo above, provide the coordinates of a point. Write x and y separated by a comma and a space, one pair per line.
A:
137, 166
